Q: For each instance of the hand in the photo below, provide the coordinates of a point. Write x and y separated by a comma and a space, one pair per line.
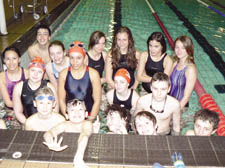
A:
54, 145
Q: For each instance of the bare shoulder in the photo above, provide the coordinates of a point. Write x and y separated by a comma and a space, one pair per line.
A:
104, 54
172, 102
138, 54
93, 73
58, 116
2, 77
145, 99
144, 55
191, 68
18, 86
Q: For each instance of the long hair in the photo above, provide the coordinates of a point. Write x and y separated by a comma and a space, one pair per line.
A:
131, 51
94, 39
189, 47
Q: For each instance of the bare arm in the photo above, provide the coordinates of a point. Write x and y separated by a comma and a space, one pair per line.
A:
2, 124
176, 118
17, 103
82, 144
28, 124
141, 75
109, 71
191, 77
56, 108
51, 75
97, 91
134, 100
136, 82
62, 91
139, 106
168, 65
4, 92
103, 79
109, 96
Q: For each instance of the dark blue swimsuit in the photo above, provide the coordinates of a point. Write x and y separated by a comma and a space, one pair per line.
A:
79, 89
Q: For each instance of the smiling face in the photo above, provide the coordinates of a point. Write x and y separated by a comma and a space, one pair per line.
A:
180, 50
203, 128
98, 48
36, 74
57, 54
122, 40
121, 84
76, 112
76, 60
44, 104
145, 126
11, 60
43, 36
160, 89
155, 48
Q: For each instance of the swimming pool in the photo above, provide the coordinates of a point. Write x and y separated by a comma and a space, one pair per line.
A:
98, 15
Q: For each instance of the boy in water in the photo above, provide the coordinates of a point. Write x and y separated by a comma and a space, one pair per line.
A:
205, 123
118, 119
45, 118
145, 123
76, 113
163, 106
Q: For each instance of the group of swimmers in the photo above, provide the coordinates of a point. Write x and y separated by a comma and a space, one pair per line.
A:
71, 83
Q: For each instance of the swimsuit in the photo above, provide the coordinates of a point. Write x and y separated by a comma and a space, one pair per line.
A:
55, 71
79, 89
124, 103
178, 83
123, 64
151, 67
27, 98
10, 84
97, 65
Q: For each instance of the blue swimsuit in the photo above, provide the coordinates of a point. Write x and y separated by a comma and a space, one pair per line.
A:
79, 89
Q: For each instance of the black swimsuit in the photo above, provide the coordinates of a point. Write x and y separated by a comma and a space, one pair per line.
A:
79, 89
97, 65
123, 64
125, 103
151, 67
27, 98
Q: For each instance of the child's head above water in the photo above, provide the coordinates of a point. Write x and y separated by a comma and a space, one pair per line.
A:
145, 123
76, 111
118, 119
205, 122
44, 100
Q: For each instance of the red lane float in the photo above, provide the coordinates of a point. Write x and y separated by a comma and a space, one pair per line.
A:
205, 100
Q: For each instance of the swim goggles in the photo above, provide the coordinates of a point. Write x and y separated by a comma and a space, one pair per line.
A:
51, 98
81, 45
37, 64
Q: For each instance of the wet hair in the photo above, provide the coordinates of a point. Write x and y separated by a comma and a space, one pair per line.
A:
44, 27
207, 115
131, 51
44, 91
11, 48
123, 112
57, 43
74, 102
162, 77
146, 114
157, 36
94, 38
189, 47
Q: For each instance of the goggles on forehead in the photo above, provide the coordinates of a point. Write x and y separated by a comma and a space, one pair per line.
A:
37, 64
51, 98
81, 45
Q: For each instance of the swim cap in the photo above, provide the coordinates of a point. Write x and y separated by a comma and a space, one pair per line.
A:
123, 73
77, 46
37, 62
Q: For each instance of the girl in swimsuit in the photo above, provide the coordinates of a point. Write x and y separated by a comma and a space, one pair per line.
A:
59, 61
80, 82
122, 55
184, 73
154, 60
96, 55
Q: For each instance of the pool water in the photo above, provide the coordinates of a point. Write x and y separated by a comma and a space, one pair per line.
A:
92, 15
